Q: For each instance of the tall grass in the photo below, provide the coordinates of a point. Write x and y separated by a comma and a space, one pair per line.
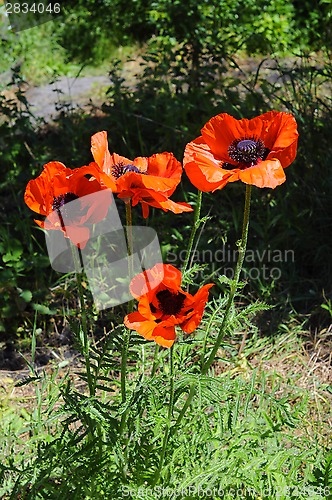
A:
250, 433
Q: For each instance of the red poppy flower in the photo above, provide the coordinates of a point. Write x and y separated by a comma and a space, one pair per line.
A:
253, 151
149, 181
163, 305
55, 187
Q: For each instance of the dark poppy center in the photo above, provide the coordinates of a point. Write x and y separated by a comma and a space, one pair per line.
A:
121, 169
170, 303
247, 152
60, 201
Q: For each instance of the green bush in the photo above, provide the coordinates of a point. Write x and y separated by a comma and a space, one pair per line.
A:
218, 28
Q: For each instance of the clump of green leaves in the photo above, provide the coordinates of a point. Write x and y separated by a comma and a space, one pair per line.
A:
245, 430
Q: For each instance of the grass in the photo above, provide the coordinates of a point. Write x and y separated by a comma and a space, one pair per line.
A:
261, 423
41, 58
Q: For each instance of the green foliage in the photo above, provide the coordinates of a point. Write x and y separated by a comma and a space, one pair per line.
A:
36, 51
220, 28
97, 26
313, 20
87, 40
20, 247
237, 436
210, 27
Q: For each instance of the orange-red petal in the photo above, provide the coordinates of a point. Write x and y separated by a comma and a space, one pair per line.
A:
162, 169
145, 209
277, 130
100, 152
151, 320
79, 235
135, 321
219, 132
38, 195
281, 138
143, 283
144, 307
268, 173
132, 181
164, 335
203, 169
175, 207
199, 301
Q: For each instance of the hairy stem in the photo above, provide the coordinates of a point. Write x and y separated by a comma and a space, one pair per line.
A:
239, 264
84, 324
125, 346
155, 358
196, 224
235, 282
170, 416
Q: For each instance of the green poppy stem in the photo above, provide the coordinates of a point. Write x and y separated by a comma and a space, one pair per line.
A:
125, 346
85, 343
129, 226
195, 226
155, 359
235, 282
239, 264
170, 416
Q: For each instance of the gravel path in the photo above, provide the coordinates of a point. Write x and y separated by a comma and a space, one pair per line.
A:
67, 93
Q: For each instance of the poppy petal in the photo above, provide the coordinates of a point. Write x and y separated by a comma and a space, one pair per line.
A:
144, 307
34, 198
38, 195
102, 156
268, 173
164, 335
172, 276
79, 235
144, 282
159, 173
199, 302
220, 131
135, 321
203, 170
145, 210
282, 138
141, 162
100, 152
205, 156
153, 319
132, 181
97, 176
164, 165
40, 223
176, 208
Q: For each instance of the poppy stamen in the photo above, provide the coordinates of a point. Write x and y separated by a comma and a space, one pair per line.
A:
170, 303
120, 169
247, 152
60, 201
